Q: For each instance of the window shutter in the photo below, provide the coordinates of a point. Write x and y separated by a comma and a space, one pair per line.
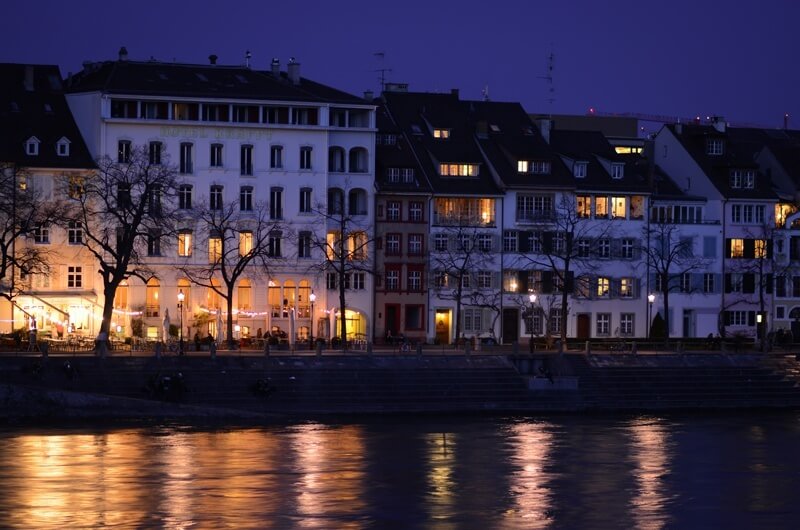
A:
718, 283
547, 242
749, 283
710, 247
522, 281
547, 282
749, 248
767, 281
769, 249
727, 318
728, 283
569, 282
616, 248
727, 248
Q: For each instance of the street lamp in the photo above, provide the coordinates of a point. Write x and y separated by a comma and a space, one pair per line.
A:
650, 299
532, 299
312, 298
181, 296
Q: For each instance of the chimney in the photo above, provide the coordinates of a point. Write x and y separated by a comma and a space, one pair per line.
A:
679, 128
212, 59
28, 81
719, 123
247, 56
544, 127
369, 95
293, 70
123, 54
276, 67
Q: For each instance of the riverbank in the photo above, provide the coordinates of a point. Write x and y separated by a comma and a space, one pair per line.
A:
259, 388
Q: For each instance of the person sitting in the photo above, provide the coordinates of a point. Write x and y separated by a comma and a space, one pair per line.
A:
389, 338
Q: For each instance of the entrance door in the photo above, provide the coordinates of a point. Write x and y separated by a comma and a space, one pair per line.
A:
443, 326
510, 324
688, 322
392, 319
584, 330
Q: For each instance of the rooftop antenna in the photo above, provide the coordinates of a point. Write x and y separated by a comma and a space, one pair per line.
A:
247, 56
551, 91
485, 93
382, 70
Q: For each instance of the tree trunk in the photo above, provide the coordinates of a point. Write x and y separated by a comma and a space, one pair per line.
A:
229, 320
458, 315
108, 309
342, 319
666, 317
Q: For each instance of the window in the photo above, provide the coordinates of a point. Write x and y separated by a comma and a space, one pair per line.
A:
626, 324
123, 195
441, 134
534, 207
737, 318
215, 197
336, 159
603, 287
584, 204
358, 160
440, 279
74, 233
335, 201
304, 245
458, 170
760, 248
626, 287
216, 155
305, 200
276, 157
604, 248
124, 152
214, 248
627, 247
154, 243
274, 244
393, 174
742, 178
485, 242
708, 283
276, 203
619, 207
603, 324
686, 282
617, 171
601, 207
32, 146
41, 234
714, 146
472, 320
154, 200
440, 242
415, 211
154, 153
359, 281
331, 280
539, 167
246, 198
74, 277
357, 202
737, 248
579, 169
393, 210
414, 280
245, 243
393, 244
484, 279
185, 243
392, 279
185, 197
246, 160
186, 166
509, 241
305, 157
415, 244
584, 247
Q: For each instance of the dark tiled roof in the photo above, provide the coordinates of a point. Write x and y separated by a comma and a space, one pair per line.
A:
591, 147
397, 156
665, 189
32, 104
192, 80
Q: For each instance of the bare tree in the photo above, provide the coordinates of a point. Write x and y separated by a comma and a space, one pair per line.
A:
25, 215
458, 257
669, 252
239, 242
566, 241
125, 211
344, 241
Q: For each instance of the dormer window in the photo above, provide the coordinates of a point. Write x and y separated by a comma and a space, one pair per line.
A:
714, 146
538, 167
441, 134
62, 147
617, 171
32, 146
743, 179
458, 170
579, 169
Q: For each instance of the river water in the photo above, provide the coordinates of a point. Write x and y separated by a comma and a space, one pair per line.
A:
714, 471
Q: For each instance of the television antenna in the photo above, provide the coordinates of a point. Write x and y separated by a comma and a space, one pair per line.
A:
382, 70
548, 77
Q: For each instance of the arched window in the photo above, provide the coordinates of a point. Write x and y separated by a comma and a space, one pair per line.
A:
336, 159
121, 296
289, 297
304, 299
357, 202
335, 200
152, 305
214, 300
244, 295
358, 160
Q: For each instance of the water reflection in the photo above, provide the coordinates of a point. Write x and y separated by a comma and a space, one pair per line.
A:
530, 445
650, 453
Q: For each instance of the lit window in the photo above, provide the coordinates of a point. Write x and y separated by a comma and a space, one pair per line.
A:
584, 204
458, 170
603, 287
442, 134
539, 167
214, 249
601, 207
245, 243
760, 248
737, 248
619, 207
626, 288
185, 243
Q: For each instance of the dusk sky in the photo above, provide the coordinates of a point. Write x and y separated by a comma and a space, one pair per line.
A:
680, 58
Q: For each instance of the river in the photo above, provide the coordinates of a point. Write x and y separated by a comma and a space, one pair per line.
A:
711, 470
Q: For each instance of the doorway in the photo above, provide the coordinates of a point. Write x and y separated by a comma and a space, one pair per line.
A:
443, 326
584, 326
510, 325
688, 323
392, 320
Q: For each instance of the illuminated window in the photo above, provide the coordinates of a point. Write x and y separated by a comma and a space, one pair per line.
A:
185, 243
601, 207
603, 287
619, 207
539, 167
737, 248
458, 170
760, 248
442, 134
627, 150
75, 187
151, 298
584, 203
245, 243
510, 283
357, 243
782, 211
626, 288
244, 297
214, 249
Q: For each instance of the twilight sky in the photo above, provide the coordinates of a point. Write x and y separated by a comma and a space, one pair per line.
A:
686, 58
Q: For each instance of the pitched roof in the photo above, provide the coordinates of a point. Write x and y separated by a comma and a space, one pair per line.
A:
157, 78
32, 105
397, 155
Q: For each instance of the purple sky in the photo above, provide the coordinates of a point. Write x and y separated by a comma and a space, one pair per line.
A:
734, 58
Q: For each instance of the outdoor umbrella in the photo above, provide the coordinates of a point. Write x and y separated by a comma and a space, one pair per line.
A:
166, 325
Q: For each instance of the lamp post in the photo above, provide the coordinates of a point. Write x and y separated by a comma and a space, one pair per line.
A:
650, 299
312, 298
532, 299
181, 296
